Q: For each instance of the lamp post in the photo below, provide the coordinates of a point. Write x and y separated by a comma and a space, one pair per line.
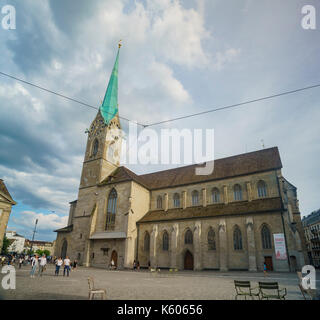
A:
34, 231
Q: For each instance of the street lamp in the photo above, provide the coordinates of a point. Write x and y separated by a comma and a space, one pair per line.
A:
34, 231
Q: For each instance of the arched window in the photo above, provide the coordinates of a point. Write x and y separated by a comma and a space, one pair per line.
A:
195, 198
165, 241
111, 210
176, 200
95, 147
211, 240
188, 237
215, 195
266, 238
237, 239
159, 202
237, 192
262, 189
146, 245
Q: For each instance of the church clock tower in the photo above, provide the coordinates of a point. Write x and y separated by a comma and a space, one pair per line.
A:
103, 149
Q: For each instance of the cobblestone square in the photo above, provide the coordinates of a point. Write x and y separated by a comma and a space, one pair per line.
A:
141, 285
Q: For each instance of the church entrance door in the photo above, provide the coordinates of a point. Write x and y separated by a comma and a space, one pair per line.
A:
268, 262
114, 257
188, 260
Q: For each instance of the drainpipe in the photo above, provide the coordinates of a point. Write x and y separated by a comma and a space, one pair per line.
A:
283, 226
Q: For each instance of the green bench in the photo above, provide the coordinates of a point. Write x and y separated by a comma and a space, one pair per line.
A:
243, 288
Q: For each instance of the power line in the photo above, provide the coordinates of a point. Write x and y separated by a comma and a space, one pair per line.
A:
60, 95
172, 119
233, 105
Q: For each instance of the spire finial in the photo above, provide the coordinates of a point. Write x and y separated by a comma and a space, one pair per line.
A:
120, 44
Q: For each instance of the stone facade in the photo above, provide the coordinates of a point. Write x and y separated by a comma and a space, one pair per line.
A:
124, 217
6, 203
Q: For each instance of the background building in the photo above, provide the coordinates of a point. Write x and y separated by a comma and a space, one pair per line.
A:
40, 245
6, 203
17, 244
311, 225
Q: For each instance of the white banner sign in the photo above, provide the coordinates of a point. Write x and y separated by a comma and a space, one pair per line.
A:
280, 246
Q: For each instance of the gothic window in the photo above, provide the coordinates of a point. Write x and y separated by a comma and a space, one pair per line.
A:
176, 200
165, 241
237, 192
195, 198
159, 202
215, 195
146, 242
188, 237
111, 210
95, 147
237, 239
266, 238
211, 240
262, 189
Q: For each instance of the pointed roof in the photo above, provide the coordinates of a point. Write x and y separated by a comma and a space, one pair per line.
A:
5, 193
109, 107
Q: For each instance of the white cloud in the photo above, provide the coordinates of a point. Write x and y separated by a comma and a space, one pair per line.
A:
48, 222
223, 58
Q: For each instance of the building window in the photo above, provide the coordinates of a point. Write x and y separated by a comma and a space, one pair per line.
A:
95, 147
188, 237
237, 239
80, 236
237, 192
195, 198
262, 189
176, 200
211, 240
146, 242
165, 241
159, 202
111, 210
79, 256
215, 195
266, 238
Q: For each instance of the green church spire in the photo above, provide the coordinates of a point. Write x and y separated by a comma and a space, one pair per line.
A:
109, 107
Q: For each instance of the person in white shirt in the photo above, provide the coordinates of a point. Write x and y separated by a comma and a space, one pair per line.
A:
66, 263
34, 264
59, 263
42, 266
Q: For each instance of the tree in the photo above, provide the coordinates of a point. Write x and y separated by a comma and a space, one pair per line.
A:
5, 245
46, 252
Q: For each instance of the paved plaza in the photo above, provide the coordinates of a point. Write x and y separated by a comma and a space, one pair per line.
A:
142, 285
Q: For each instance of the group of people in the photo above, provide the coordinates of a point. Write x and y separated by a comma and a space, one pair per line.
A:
136, 265
40, 263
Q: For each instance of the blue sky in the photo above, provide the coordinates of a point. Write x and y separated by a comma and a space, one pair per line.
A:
178, 57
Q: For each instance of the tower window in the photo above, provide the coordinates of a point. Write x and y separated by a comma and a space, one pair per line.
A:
176, 200
215, 195
159, 202
165, 241
195, 198
262, 189
111, 210
237, 192
95, 147
188, 237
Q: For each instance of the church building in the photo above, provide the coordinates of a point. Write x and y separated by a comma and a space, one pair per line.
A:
242, 215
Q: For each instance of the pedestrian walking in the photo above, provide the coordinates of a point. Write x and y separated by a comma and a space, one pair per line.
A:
34, 265
138, 265
66, 263
42, 266
265, 269
74, 265
59, 263
134, 265
20, 262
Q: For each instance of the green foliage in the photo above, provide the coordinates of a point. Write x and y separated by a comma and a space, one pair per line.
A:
5, 245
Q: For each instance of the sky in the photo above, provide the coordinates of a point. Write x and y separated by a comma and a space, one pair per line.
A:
177, 58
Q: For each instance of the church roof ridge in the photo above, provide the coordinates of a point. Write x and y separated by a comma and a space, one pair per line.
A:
242, 164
